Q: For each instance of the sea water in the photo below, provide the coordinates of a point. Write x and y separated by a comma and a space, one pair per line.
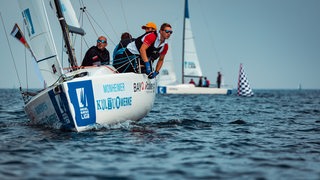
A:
273, 135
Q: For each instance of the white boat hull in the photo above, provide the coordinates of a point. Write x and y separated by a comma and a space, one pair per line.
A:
191, 89
102, 97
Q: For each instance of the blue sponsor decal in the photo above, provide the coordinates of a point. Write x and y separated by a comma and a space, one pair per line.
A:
26, 14
82, 99
113, 103
189, 65
162, 90
60, 104
63, 7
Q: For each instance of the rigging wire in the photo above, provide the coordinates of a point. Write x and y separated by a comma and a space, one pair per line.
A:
15, 66
82, 9
89, 15
62, 52
124, 15
93, 23
211, 39
25, 59
105, 14
81, 19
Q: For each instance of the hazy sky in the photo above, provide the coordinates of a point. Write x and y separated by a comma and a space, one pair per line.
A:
278, 41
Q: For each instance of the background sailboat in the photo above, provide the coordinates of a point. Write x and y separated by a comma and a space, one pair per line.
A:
167, 74
190, 66
244, 88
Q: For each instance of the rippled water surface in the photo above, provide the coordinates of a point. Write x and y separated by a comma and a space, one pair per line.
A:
273, 135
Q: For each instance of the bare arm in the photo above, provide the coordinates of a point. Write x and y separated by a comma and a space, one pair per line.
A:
143, 52
160, 63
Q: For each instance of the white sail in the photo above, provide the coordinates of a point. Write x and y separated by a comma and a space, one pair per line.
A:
191, 67
167, 73
191, 61
69, 15
84, 97
41, 39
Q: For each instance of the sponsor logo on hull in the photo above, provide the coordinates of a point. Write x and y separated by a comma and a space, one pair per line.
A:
60, 104
82, 99
162, 89
113, 102
143, 86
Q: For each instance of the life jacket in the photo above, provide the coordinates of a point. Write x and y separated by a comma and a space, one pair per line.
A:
95, 56
152, 52
121, 47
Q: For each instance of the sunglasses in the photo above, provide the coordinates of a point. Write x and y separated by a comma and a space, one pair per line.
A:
101, 41
168, 31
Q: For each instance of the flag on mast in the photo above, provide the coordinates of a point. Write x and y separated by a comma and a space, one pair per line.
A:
244, 88
17, 33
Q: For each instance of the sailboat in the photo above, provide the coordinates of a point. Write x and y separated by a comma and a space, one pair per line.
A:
190, 67
244, 88
76, 99
167, 73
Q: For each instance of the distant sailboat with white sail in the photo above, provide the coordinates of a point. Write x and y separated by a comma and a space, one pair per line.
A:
190, 67
167, 73
244, 88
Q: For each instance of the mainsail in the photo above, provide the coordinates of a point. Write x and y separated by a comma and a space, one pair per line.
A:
83, 97
41, 38
17, 33
244, 88
70, 16
167, 73
191, 62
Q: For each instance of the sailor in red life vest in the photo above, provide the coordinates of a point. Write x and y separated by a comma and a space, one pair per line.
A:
206, 82
147, 47
192, 82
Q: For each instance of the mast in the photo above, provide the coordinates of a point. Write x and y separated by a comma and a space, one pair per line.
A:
64, 27
186, 15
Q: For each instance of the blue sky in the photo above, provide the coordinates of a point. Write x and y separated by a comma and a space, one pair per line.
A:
278, 41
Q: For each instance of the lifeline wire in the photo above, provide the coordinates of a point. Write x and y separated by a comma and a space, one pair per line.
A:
15, 66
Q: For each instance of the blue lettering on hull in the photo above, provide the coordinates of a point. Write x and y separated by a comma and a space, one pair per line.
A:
113, 103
